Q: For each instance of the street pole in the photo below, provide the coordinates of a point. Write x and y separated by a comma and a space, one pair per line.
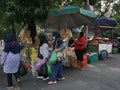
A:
90, 8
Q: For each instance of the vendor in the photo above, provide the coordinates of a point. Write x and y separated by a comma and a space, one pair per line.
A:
79, 47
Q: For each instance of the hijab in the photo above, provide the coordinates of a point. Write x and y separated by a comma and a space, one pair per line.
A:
58, 40
12, 45
42, 39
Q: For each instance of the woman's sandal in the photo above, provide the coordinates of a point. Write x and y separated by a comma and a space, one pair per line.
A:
52, 82
61, 79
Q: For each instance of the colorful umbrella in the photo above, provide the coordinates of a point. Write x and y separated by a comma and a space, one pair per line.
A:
69, 17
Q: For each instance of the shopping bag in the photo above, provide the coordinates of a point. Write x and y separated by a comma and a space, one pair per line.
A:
53, 58
22, 71
43, 69
49, 70
39, 64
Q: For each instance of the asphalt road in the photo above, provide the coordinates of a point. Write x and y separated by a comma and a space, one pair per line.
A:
102, 75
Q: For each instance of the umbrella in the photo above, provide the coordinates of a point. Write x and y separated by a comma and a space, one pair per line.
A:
111, 22
69, 17
104, 23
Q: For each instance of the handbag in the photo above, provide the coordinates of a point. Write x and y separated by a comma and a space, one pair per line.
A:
39, 64
22, 71
43, 69
53, 58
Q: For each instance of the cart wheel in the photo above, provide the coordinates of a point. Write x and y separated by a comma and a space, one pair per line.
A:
103, 55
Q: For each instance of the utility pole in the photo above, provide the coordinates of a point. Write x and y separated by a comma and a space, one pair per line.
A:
90, 8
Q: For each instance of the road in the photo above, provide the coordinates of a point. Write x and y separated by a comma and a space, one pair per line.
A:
102, 75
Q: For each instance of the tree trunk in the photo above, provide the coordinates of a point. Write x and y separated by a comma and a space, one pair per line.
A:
13, 28
32, 28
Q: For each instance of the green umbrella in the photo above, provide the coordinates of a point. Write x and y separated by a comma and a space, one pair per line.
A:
69, 17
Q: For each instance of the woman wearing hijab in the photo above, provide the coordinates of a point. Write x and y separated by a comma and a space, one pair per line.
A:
79, 47
11, 57
44, 51
57, 71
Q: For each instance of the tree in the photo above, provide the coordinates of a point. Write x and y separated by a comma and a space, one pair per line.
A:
106, 8
29, 11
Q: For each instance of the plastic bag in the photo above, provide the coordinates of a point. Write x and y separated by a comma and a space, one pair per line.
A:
53, 58
49, 70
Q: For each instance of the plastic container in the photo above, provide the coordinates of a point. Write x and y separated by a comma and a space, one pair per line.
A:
115, 50
85, 60
93, 58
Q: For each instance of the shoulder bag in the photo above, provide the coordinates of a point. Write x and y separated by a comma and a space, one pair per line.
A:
22, 71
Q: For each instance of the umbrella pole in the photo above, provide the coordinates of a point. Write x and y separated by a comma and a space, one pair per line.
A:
65, 23
65, 27
112, 36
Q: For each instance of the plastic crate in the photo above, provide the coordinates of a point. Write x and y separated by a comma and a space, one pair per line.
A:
115, 50
93, 58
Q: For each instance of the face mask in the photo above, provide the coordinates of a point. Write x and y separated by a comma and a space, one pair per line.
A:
53, 38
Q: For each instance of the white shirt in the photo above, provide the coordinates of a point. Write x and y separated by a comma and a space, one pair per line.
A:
44, 50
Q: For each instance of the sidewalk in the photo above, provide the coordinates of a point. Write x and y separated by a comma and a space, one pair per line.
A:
102, 75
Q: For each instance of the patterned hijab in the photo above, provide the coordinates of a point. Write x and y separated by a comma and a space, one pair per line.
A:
58, 40
12, 45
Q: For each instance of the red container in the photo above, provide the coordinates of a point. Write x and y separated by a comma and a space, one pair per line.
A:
85, 60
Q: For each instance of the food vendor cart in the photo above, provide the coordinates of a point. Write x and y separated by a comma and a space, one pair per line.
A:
103, 45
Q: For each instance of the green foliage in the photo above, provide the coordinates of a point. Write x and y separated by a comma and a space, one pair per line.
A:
3, 32
112, 33
93, 2
28, 10
80, 3
20, 12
